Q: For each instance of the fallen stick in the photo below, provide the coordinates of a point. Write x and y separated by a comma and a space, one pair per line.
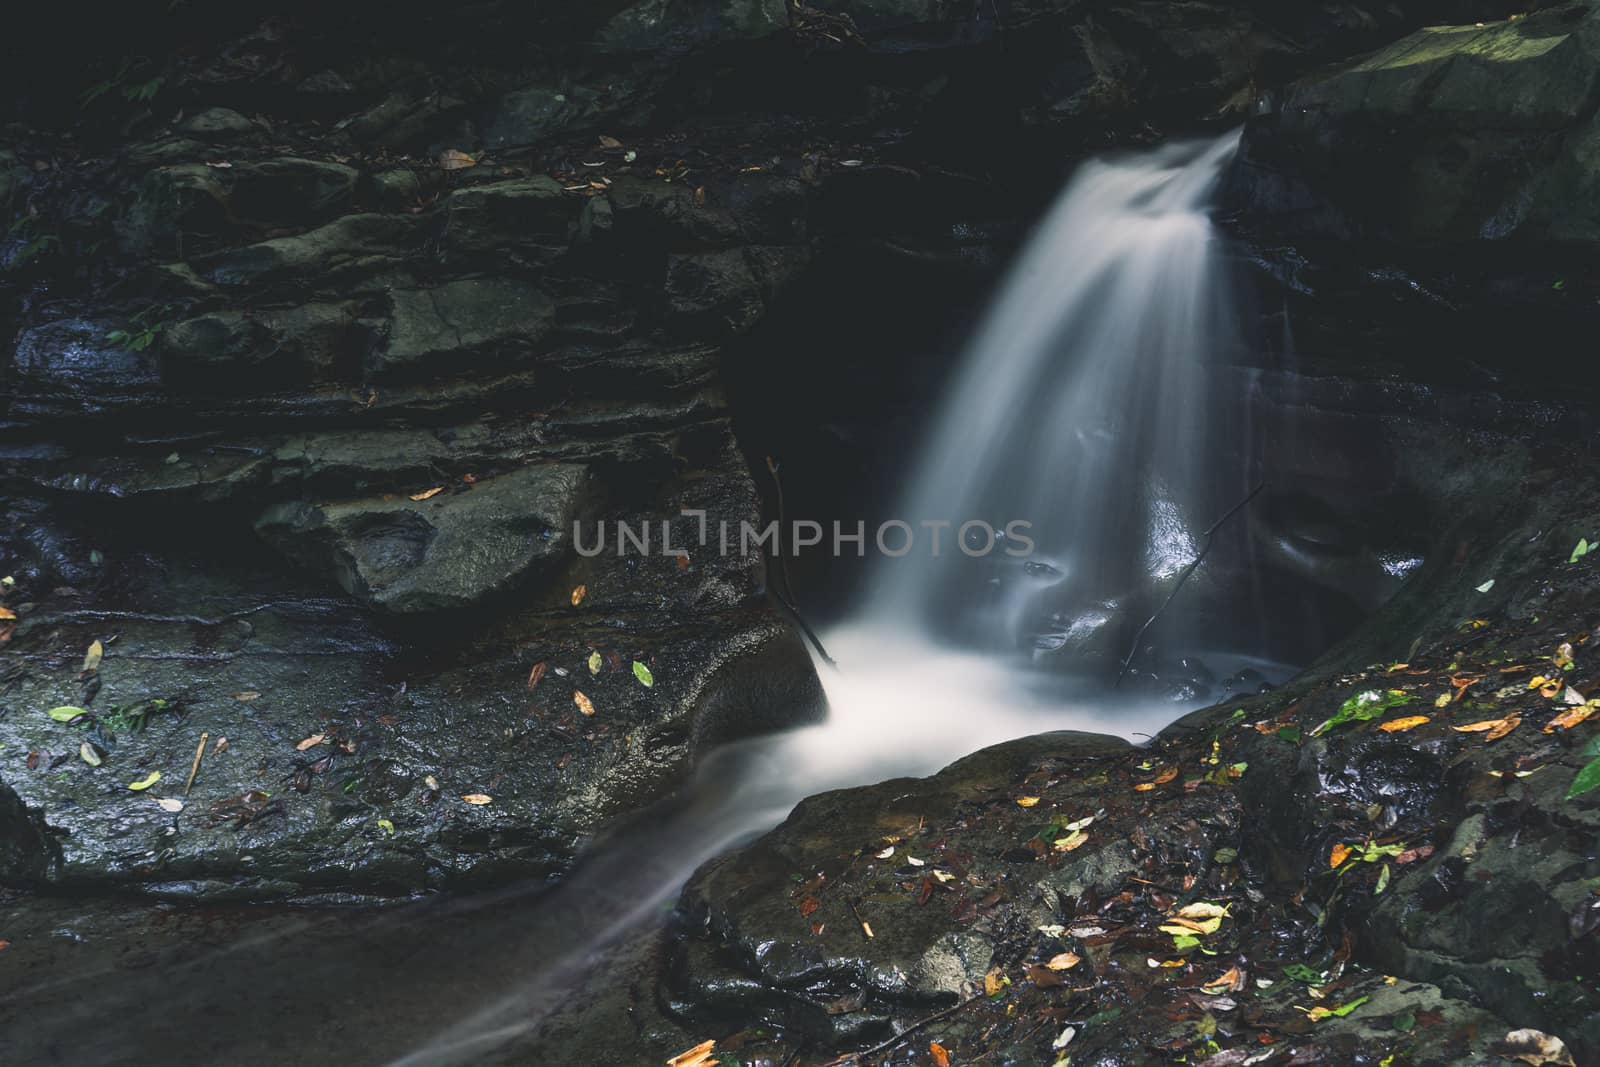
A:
1210, 535
194, 768
885, 1046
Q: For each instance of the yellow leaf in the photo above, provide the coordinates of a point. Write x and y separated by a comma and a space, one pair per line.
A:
1569, 718
694, 1057
1410, 722
146, 782
578, 595
1063, 962
1027, 802
1563, 656
1144, 787
1072, 841
7, 613
1336, 858
1202, 909
594, 662
478, 798
585, 705
1208, 926
428, 494
1492, 729
455, 159
994, 982
1443, 701
91, 658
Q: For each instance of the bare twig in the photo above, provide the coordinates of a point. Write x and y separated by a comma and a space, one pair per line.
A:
884, 1046
1210, 535
194, 768
786, 594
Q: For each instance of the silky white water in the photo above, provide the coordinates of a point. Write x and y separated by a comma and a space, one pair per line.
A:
1079, 406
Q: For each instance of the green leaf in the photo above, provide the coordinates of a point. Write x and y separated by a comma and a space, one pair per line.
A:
1587, 779
594, 662
146, 782
1183, 941
65, 713
1366, 705
1346, 1009
1580, 550
641, 672
1592, 748
1383, 880
386, 826
1299, 972
89, 754
1290, 734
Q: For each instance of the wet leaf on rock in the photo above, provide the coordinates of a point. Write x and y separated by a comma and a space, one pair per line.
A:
1366, 705
146, 782
1492, 729
536, 674
594, 662
941, 1058
65, 713
1410, 722
427, 494
247, 695
641, 672
91, 658
578, 594
1319, 1012
1027, 802
1585, 781
699, 1056
455, 159
1064, 961
585, 705
172, 804
1535, 1047
478, 798
1338, 855
1570, 718
90, 755
310, 742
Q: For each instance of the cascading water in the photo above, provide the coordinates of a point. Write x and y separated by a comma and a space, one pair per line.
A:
1084, 385
1082, 407
1082, 418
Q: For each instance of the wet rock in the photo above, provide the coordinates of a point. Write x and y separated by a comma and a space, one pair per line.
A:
686, 24
731, 288
536, 113
520, 212
231, 351
184, 198
498, 320
351, 246
451, 551
218, 122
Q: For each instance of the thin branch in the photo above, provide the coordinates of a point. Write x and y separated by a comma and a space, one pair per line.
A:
1210, 535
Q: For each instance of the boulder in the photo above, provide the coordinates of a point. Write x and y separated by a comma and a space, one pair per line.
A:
433, 330
233, 351
454, 550
521, 212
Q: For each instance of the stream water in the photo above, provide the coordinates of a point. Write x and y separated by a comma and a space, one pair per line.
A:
1080, 407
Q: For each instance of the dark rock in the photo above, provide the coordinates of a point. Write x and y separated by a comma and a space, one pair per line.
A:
536, 113
218, 122
239, 350
451, 551
731, 288
483, 319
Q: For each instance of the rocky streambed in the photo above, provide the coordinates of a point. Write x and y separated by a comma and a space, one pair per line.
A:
315, 362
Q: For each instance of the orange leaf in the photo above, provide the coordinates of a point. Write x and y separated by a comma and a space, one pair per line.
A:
314, 739
941, 1058
1027, 802
1569, 718
1410, 722
585, 705
809, 905
1063, 962
578, 595
1144, 787
7, 613
478, 798
694, 1057
1336, 858
1492, 729
428, 494
1166, 776
455, 159
536, 674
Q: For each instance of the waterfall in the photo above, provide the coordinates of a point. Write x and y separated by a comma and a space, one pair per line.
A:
1082, 409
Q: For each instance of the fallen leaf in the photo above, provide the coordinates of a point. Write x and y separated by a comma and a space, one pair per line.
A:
1569, 718
1535, 1047
536, 673
89, 754
1492, 729
578, 595
428, 494
1072, 841
1027, 802
1065, 961
146, 782
314, 739
455, 159
1319, 1012
248, 694
641, 672
594, 662
65, 713
1166, 776
91, 658
1410, 722
699, 1056
478, 798
941, 1058
172, 804
585, 705
1563, 655
609, 142
7, 613
1227, 982
386, 826
995, 982
1201, 909
808, 905
1338, 855
1486, 586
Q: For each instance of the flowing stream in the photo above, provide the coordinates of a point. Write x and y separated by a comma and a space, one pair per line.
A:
1080, 407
